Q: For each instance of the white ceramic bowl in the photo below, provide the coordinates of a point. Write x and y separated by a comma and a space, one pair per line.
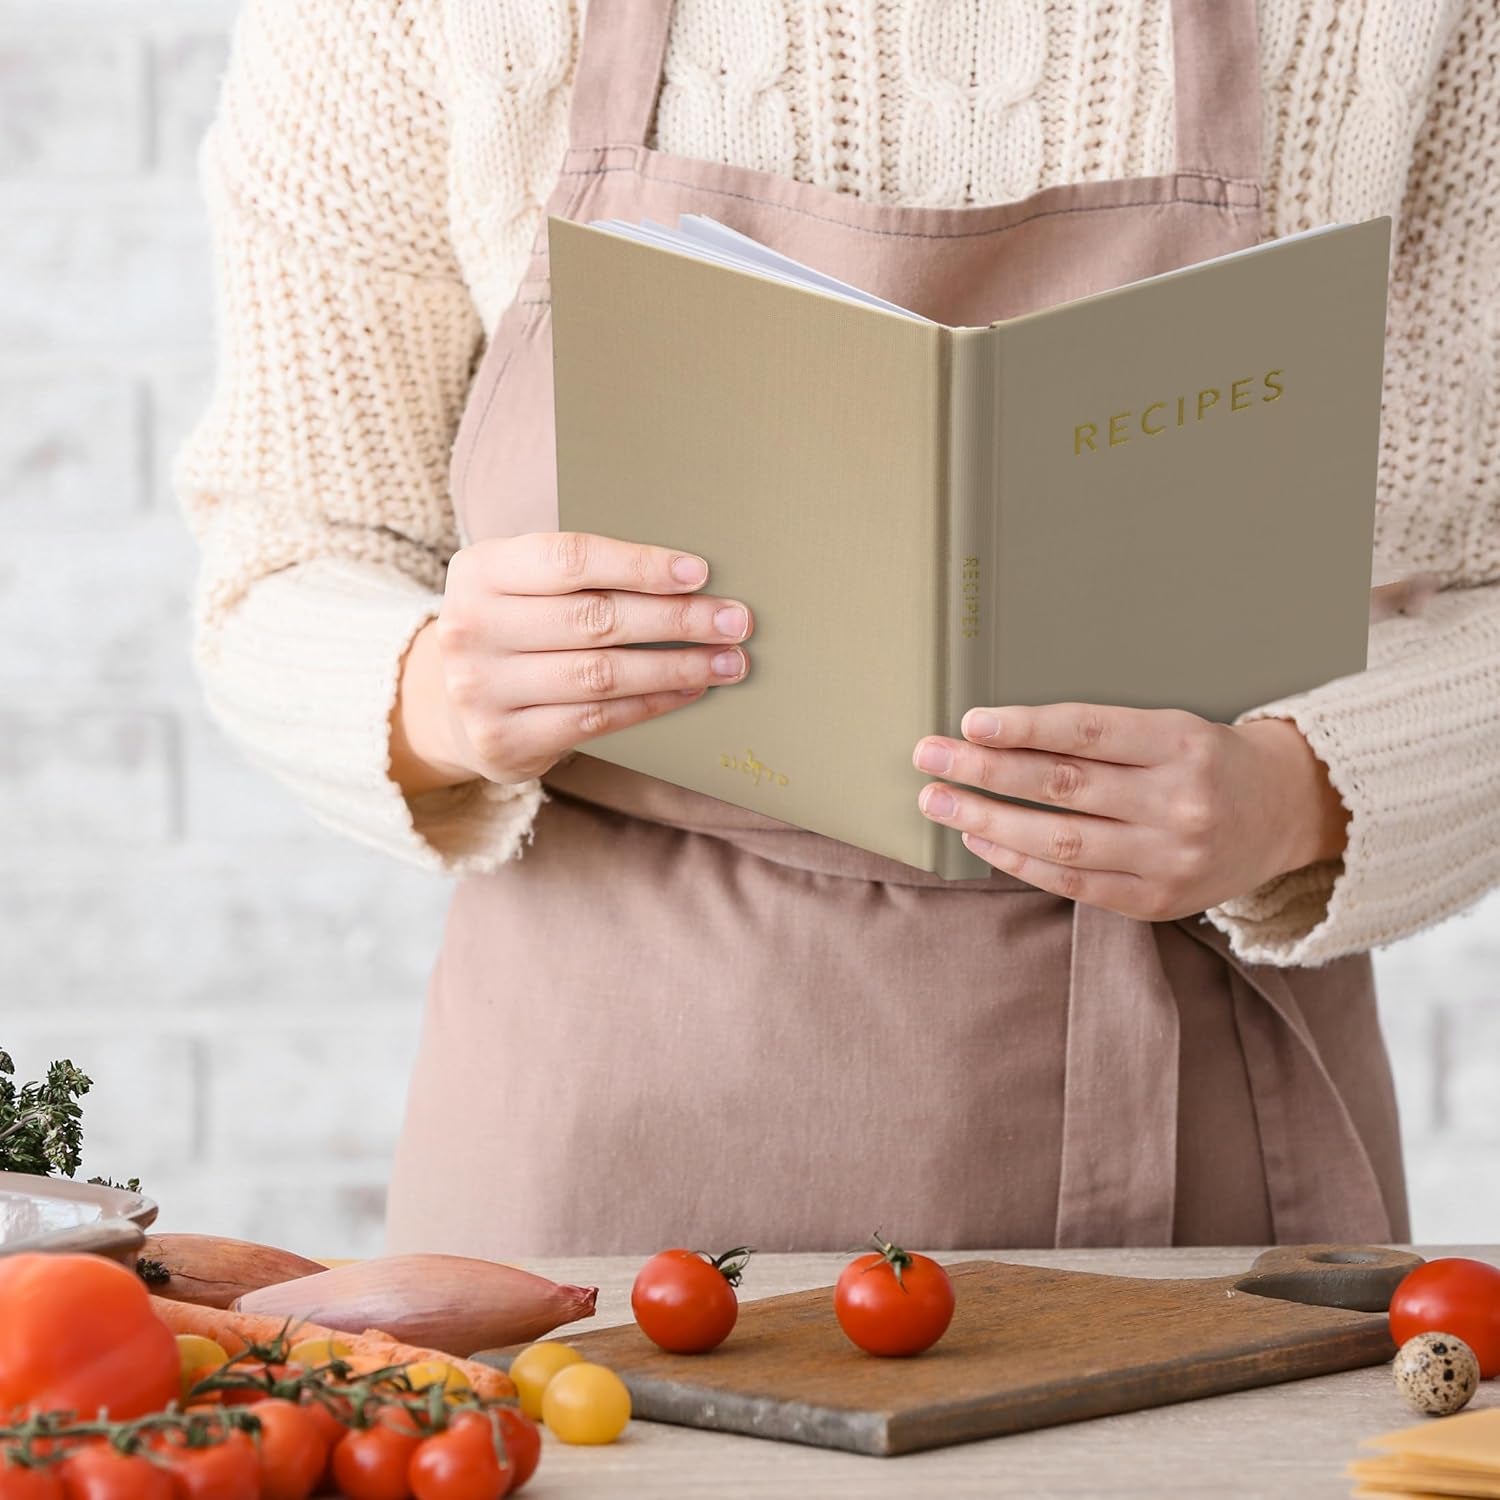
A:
56, 1213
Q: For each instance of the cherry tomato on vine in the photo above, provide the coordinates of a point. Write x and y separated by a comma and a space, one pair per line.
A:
293, 1450
228, 1469
684, 1300
329, 1415
893, 1302
523, 1441
99, 1472
29, 1484
1453, 1295
263, 1375
371, 1463
40, 1483
399, 1417
461, 1463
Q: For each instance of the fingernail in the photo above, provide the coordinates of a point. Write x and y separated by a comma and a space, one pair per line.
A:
689, 569
731, 620
981, 726
938, 803
934, 757
728, 663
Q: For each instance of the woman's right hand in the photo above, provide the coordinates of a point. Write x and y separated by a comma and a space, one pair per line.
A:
531, 654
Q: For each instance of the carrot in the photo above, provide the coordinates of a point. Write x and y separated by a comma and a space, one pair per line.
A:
372, 1349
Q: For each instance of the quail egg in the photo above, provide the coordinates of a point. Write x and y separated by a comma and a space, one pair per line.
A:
1436, 1373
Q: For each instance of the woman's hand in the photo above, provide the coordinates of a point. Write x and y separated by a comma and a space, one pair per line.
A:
1160, 814
531, 654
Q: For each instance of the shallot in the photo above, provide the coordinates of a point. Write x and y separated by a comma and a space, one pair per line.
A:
211, 1271
443, 1301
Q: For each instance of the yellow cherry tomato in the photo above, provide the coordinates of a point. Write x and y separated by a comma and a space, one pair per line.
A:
311, 1353
534, 1366
197, 1356
436, 1372
586, 1403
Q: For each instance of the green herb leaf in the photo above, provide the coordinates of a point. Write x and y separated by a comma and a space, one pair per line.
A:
41, 1125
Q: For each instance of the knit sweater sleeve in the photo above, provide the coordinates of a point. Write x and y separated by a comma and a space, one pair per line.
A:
1412, 744
315, 482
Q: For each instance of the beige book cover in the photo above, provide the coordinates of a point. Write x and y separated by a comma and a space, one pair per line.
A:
1158, 496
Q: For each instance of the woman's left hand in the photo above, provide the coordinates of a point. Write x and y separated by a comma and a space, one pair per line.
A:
1158, 813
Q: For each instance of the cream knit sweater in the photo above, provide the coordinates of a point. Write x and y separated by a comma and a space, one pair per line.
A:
375, 174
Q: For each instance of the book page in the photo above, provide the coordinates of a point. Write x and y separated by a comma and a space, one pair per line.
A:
707, 239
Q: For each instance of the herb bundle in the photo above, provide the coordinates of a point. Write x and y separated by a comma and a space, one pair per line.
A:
41, 1124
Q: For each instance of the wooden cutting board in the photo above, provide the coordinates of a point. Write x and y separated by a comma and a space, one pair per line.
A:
1027, 1348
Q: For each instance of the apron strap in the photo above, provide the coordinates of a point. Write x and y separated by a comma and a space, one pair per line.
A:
1216, 60
1119, 1134
619, 72
1215, 50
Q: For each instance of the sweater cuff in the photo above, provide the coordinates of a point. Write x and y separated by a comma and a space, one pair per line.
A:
302, 675
1412, 746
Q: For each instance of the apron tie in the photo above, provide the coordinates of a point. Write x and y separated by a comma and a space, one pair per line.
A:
1119, 1137
1319, 1176
1119, 1134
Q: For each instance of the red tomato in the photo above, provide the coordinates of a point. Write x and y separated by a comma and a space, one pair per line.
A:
1452, 1295
399, 1417
77, 1334
100, 1472
521, 1436
523, 1442
263, 1375
293, 1450
227, 1469
17, 1483
329, 1419
893, 1302
685, 1302
370, 1463
460, 1464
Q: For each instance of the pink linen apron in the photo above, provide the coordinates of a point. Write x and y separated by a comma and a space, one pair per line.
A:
673, 1021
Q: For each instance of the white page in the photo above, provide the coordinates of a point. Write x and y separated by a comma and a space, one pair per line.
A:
648, 233
757, 259
710, 232
707, 239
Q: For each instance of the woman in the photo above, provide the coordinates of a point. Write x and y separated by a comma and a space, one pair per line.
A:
657, 1018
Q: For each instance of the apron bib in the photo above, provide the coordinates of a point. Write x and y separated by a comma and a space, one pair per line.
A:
677, 1021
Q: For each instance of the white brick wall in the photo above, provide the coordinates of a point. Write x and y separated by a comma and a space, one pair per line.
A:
244, 987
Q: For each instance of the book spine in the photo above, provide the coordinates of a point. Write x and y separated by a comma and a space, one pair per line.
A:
968, 506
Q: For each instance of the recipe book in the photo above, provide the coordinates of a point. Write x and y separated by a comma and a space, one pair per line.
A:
1160, 496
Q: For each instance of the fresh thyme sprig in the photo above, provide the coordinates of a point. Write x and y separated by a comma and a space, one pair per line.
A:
41, 1125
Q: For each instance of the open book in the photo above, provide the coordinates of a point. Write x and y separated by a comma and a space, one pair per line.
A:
705, 238
1160, 495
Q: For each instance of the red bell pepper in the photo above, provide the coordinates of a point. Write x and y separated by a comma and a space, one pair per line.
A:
77, 1334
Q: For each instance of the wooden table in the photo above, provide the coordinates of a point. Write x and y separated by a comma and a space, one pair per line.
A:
1288, 1441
